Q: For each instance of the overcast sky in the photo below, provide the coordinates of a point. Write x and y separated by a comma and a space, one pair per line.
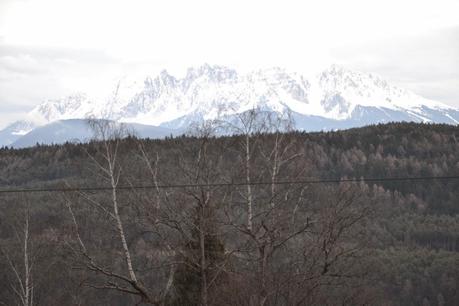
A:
51, 48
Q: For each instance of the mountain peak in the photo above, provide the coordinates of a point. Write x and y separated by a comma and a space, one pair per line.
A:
56, 109
333, 94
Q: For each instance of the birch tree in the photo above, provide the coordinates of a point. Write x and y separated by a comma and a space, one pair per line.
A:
108, 136
21, 262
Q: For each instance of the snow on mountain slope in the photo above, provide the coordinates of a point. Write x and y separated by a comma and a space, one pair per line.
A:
212, 91
75, 106
335, 98
15, 131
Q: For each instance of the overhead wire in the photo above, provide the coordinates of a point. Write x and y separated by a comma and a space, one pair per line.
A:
229, 184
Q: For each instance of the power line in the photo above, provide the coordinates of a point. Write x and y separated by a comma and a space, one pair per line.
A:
175, 186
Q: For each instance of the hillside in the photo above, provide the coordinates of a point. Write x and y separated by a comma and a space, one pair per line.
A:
380, 242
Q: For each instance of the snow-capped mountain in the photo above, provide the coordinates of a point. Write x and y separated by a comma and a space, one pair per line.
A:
334, 99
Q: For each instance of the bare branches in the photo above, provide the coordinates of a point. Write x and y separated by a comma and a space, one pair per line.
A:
110, 138
184, 245
22, 268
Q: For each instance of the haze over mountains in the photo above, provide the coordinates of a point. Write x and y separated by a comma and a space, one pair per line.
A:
337, 98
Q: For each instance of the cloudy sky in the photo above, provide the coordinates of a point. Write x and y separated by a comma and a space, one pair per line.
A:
51, 48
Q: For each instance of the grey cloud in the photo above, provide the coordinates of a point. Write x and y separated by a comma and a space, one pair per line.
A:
29, 75
36, 60
13, 108
428, 65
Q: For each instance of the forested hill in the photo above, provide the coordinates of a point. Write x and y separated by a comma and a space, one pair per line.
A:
379, 151
410, 227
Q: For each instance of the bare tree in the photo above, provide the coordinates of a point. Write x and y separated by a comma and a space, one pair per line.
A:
109, 135
282, 215
189, 216
328, 256
250, 125
22, 265
262, 222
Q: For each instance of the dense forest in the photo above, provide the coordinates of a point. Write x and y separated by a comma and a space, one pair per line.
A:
260, 218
